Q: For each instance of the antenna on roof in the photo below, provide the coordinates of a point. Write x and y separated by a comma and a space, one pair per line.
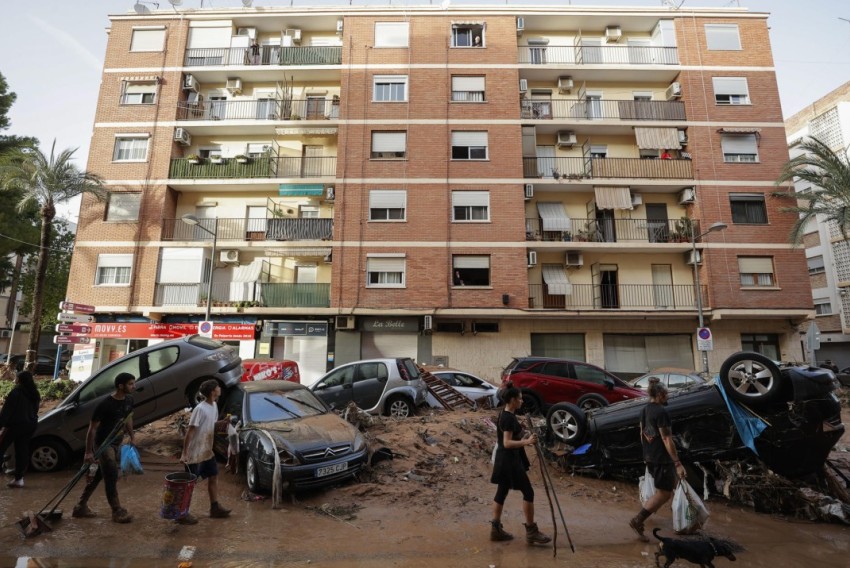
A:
140, 7
247, 3
672, 4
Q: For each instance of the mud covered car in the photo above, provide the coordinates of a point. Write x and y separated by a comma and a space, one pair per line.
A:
798, 405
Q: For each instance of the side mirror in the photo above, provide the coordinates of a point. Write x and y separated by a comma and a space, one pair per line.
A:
609, 383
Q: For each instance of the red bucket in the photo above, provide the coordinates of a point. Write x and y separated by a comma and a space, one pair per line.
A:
177, 495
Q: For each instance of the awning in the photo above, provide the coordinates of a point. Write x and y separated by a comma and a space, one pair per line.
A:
140, 78
610, 197
301, 189
298, 251
554, 216
557, 283
467, 22
741, 130
657, 138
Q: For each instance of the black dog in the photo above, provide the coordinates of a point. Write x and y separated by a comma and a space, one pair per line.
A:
697, 551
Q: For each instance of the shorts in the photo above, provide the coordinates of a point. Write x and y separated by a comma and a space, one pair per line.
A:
205, 469
664, 475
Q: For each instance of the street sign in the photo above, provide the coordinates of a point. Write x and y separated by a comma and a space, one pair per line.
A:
813, 337
70, 339
704, 340
205, 329
78, 308
72, 328
76, 318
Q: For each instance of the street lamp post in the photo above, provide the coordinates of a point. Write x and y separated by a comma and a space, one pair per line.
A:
193, 220
719, 226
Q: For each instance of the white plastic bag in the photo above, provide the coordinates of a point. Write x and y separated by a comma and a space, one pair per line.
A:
647, 487
689, 512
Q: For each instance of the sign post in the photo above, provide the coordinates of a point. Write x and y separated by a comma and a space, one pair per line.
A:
705, 342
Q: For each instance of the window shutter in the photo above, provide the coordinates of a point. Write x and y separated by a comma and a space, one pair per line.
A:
387, 199
147, 40
114, 260
180, 265
746, 197
389, 141
471, 261
135, 88
739, 144
730, 86
722, 37
755, 265
469, 139
468, 84
470, 198
391, 34
200, 38
383, 264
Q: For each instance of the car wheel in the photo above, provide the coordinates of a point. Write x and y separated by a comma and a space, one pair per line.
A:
48, 455
531, 404
591, 402
567, 423
193, 391
398, 407
751, 377
252, 475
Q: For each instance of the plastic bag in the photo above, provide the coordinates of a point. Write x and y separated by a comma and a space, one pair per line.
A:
647, 487
130, 460
689, 512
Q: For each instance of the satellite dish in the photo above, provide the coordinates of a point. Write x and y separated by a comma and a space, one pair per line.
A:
141, 8
247, 3
175, 2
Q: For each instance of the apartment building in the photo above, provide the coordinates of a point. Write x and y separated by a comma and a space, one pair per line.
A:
827, 252
457, 184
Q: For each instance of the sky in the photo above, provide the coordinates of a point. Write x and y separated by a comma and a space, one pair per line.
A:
51, 53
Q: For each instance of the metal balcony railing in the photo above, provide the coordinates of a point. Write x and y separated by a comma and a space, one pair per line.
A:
614, 230
243, 294
242, 229
578, 168
265, 109
264, 167
269, 55
618, 297
598, 55
602, 109
282, 295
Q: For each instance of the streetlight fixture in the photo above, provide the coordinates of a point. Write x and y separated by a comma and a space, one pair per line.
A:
719, 226
193, 220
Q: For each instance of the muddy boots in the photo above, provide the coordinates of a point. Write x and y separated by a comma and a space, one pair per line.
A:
218, 512
498, 533
534, 536
637, 525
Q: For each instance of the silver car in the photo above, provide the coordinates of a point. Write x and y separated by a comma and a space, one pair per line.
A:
380, 386
168, 376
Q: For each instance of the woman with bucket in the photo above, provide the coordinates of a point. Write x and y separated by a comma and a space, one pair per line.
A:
18, 420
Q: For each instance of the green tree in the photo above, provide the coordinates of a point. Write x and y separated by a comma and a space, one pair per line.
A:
7, 142
44, 180
828, 199
56, 284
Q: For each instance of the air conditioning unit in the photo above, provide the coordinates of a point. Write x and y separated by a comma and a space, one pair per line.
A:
234, 86
693, 255
190, 83
294, 34
345, 322
529, 190
182, 136
427, 323
674, 91
523, 86
566, 139
195, 99
637, 199
574, 258
339, 27
250, 32
613, 34
330, 193
687, 195
520, 25
6, 333
229, 256
565, 84
532, 258
683, 137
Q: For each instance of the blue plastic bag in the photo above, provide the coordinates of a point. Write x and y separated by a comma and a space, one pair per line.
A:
130, 460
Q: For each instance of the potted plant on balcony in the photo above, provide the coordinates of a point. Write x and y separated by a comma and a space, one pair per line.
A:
241, 159
294, 116
216, 160
193, 159
683, 230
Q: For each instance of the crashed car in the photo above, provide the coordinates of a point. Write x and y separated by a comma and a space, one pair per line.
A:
796, 409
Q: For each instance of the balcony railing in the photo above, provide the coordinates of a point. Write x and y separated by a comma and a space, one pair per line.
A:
614, 231
297, 167
265, 109
602, 109
243, 294
598, 55
242, 229
617, 297
578, 168
269, 55
282, 295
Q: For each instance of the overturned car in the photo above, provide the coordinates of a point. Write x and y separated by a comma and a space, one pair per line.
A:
788, 415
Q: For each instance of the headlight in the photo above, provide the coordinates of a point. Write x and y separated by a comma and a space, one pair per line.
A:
286, 458
359, 442
221, 355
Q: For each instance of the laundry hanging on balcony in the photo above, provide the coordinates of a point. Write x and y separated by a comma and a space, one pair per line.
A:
657, 138
612, 197
553, 216
557, 282
243, 284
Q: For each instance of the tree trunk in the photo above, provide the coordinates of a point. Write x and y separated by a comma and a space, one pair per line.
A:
48, 212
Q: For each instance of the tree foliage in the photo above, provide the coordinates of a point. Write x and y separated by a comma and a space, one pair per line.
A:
10, 142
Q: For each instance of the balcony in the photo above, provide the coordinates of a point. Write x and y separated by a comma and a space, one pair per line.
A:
266, 109
598, 55
602, 109
244, 294
618, 297
614, 231
265, 167
581, 168
269, 55
242, 229
283, 295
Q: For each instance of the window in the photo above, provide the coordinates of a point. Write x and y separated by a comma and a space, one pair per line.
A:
391, 34
130, 148
147, 39
765, 343
385, 272
559, 345
629, 356
113, 269
389, 88
816, 265
722, 37
731, 91
257, 150
598, 150
756, 271
123, 206
588, 374
387, 145
470, 270
467, 35
387, 205
162, 359
138, 93
469, 145
470, 206
739, 147
748, 208
468, 89
823, 307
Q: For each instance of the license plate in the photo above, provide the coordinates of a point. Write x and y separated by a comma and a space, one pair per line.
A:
331, 469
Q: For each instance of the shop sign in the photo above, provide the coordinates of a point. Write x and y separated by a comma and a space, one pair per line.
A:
221, 331
308, 328
390, 325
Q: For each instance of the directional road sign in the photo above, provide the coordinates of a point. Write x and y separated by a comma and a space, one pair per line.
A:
76, 318
70, 339
78, 308
73, 328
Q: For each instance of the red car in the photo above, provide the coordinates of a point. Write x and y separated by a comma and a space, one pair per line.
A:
270, 369
545, 381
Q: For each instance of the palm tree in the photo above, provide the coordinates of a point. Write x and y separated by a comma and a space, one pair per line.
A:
44, 181
829, 199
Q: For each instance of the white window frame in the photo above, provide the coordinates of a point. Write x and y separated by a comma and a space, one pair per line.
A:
733, 146
599, 150
386, 267
392, 34
460, 31
756, 278
474, 143
391, 202
134, 92
473, 206
816, 264
104, 274
123, 206
467, 95
130, 139
387, 84
820, 303
390, 144
461, 262
726, 94
147, 39
718, 37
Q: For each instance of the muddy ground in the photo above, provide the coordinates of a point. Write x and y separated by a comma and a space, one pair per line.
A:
428, 507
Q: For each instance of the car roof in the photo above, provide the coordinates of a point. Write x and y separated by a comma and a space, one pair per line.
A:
441, 369
270, 386
676, 370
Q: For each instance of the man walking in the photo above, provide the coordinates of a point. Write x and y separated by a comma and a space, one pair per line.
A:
198, 448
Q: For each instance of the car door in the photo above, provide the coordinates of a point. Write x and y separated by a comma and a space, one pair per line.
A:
590, 379
555, 383
336, 389
369, 382
473, 387
677, 381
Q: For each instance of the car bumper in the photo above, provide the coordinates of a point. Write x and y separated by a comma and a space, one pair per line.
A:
305, 476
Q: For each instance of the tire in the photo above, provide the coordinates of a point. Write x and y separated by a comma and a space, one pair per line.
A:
48, 454
591, 401
566, 423
193, 395
252, 476
399, 407
531, 404
751, 378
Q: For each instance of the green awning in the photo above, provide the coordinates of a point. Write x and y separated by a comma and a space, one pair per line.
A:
300, 189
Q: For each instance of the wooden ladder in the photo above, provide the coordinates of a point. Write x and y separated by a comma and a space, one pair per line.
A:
445, 393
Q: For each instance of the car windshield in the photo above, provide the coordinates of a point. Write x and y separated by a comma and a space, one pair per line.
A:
282, 405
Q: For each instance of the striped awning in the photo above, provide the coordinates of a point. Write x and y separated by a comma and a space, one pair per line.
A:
554, 216
738, 130
467, 23
657, 138
298, 251
140, 78
612, 197
557, 283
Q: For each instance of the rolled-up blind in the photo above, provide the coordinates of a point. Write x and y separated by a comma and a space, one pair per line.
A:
470, 198
147, 39
469, 261
739, 144
209, 37
730, 86
389, 141
385, 264
755, 265
387, 199
469, 138
467, 83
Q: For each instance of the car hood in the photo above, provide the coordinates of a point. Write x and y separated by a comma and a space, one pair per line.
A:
323, 429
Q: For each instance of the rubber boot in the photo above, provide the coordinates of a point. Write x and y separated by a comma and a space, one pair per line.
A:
498, 533
637, 525
534, 536
218, 512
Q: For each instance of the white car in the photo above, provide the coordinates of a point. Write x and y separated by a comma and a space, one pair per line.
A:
473, 387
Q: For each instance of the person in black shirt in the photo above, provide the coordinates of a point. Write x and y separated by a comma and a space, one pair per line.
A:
18, 420
110, 412
659, 453
509, 470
